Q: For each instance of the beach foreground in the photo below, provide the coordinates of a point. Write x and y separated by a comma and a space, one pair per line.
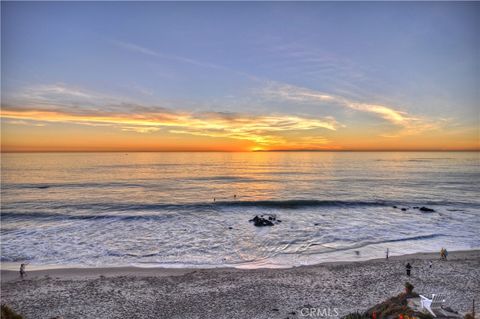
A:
337, 288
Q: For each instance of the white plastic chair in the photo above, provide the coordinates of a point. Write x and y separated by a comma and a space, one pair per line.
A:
435, 303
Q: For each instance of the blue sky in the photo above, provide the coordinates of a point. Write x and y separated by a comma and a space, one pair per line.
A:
351, 63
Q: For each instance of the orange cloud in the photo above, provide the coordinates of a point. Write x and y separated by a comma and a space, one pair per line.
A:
260, 129
36, 118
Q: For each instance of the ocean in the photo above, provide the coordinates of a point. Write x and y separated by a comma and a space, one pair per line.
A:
193, 209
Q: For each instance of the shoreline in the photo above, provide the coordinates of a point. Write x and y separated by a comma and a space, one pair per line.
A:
239, 293
66, 272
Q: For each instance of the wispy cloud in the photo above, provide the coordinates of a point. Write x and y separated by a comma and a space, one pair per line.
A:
59, 95
143, 50
259, 128
135, 48
140, 129
409, 123
301, 60
181, 59
60, 103
28, 123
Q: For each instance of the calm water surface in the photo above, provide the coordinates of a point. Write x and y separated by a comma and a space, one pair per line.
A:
157, 209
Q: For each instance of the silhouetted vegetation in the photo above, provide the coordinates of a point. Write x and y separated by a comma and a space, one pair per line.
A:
392, 308
7, 313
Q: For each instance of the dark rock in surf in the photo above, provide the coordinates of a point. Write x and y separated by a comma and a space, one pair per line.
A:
254, 219
394, 206
263, 222
404, 209
260, 221
426, 209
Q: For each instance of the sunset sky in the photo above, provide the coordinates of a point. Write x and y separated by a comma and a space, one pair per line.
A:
151, 76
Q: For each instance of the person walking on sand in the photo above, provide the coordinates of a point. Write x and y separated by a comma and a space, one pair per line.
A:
22, 270
443, 253
408, 268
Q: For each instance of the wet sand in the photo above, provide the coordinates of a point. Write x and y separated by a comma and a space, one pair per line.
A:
338, 288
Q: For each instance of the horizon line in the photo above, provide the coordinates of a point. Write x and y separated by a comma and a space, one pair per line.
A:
245, 151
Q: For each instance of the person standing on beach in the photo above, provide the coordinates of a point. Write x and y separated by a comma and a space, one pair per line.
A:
387, 253
22, 270
408, 267
443, 253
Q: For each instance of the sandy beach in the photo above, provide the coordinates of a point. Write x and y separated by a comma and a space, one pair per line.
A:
235, 293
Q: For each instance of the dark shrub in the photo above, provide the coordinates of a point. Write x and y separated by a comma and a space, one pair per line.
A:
7, 313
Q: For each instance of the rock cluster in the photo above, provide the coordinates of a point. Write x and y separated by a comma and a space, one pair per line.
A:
265, 220
422, 209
